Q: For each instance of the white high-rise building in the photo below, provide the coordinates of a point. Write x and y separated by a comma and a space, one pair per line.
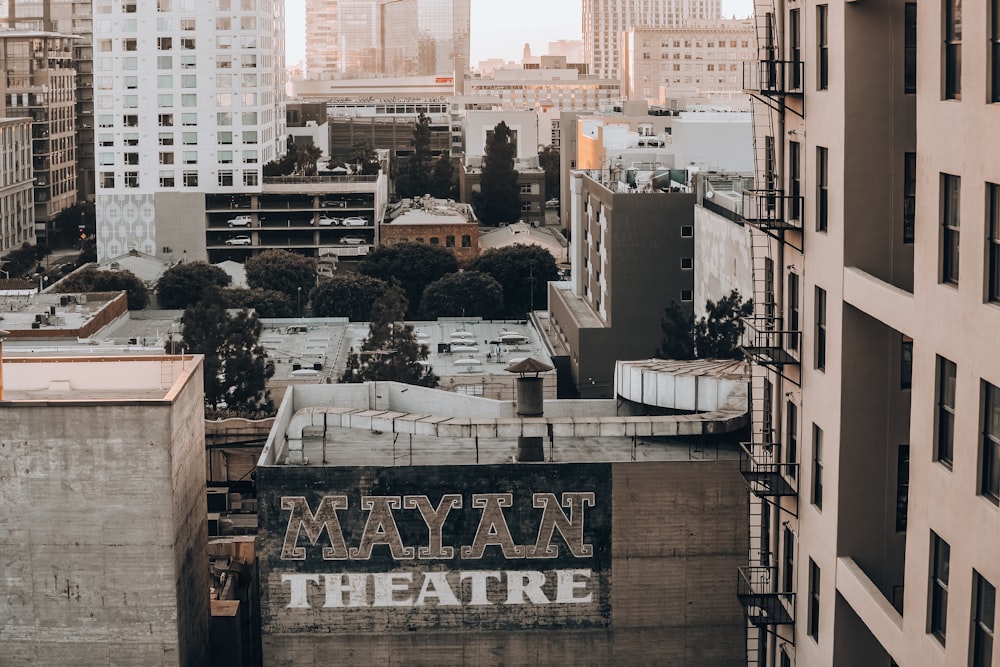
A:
605, 21
189, 103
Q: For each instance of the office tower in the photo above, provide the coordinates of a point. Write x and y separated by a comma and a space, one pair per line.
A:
874, 462
363, 38
605, 21
190, 104
17, 220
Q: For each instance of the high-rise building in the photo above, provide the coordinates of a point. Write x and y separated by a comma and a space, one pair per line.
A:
606, 21
190, 102
361, 38
874, 464
17, 219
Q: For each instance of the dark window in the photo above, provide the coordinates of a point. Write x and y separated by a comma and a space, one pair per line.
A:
687, 231
951, 188
823, 47
434, 240
953, 49
902, 486
813, 620
788, 561
687, 262
993, 224
983, 615
910, 48
817, 468
938, 614
795, 48
791, 437
945, 446
767, 409
990, 486
909, 196
994, 51
793, 312
822, 188
466, 241
765, 534
449, 241
794, 180
686, 295
906, 363
820, 360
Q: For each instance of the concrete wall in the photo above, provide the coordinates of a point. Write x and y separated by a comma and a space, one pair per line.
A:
722, 259
714, 141
102, 510
660, 588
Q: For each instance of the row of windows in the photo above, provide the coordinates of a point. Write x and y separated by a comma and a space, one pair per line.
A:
449, 240
983, 604
951, 189
168, 179
665, 44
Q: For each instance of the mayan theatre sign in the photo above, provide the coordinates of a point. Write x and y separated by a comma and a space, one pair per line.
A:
523, 547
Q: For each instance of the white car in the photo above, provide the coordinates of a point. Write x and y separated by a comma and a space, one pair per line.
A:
239, 221
552, 203
355, 221
353, 240
239, 240
326, 221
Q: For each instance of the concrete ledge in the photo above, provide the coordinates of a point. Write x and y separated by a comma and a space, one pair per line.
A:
881, 300
874, 610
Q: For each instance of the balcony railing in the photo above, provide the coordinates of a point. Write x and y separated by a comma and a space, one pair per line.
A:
766, 343
769, 76
772, 209
761, 604
763, 474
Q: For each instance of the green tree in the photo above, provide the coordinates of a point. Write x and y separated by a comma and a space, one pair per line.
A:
281, 270
414, 181
349, 295
265, 302
236, 367
498, 199
678, 334
92, 280
363, 159
717, 334
523, 271
306, 156
19, 261
88, 251
414, 265
390, 351
443, 185
548, 160
66, 225
183, 284
283, 166
469, 293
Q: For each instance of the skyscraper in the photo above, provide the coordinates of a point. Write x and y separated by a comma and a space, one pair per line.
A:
189, 104
386, 37
605, 21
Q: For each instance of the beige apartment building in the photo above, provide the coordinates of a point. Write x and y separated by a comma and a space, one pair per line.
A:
874, 465
700, 59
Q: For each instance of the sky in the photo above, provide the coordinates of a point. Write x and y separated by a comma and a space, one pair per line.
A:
499, 29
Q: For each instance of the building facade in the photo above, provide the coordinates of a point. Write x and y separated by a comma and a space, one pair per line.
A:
17, 212
189, 101
605, 21
875, 528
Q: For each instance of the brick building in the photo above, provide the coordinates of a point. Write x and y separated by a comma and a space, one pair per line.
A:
432, 221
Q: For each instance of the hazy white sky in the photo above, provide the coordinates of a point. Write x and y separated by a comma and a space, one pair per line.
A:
500, 29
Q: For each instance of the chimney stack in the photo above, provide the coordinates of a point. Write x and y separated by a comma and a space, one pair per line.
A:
529, 404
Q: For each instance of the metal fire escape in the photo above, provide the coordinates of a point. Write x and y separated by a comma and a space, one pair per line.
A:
775, 215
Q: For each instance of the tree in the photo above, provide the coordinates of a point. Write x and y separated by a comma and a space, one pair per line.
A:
66, 226
523, 271
498, 199
88, 251
349, 295
265, 302
469, 293
281, 270
442, 183
548, 160
414, 265
20, 261
183, 284
283, 166
363, 159
236, 367
390, 351
92, 280
415, 180
678, 334
306, 156
717, 334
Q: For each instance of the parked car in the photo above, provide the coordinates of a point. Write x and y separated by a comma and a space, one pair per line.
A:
355, 221
326, 221
239, 221
239, 240
353, 240
552, 203
333, 203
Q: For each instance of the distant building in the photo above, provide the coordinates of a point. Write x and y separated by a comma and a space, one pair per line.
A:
104, 549
17, 212
435, 222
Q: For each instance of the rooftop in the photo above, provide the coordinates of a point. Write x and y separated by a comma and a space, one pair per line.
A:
430, 211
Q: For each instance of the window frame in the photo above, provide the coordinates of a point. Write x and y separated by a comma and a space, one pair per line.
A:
989, 459
951, 224
819, 352
822, 47
816, 486
984, 600
951, 66
937, 598
909, 48
945, 400
812, 620
993, 242
822, 188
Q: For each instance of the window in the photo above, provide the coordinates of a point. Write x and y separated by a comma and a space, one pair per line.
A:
687, 262
951, 188
190, 179
994, 66
788, 560
166, 139
131, 179
813, 619
793, 312
820, 357
909, 196
945, 447
189, 138
130, 121
905, 362
902, 486
188, 43
817, 467
132, 158
449, 241
823, 47
791, 437
525, 188
953, 49
164, 62
466, 241
984, 604
130, 44
765, 534
686, 295
794, 180
795, 47
526, 207
225, 179
166, 158
250, 178
166, 179
107, 179
164, 43
937, 621
687, 231
434, 240
910, 48
189, 119
993, 227
822, 188
990, 475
